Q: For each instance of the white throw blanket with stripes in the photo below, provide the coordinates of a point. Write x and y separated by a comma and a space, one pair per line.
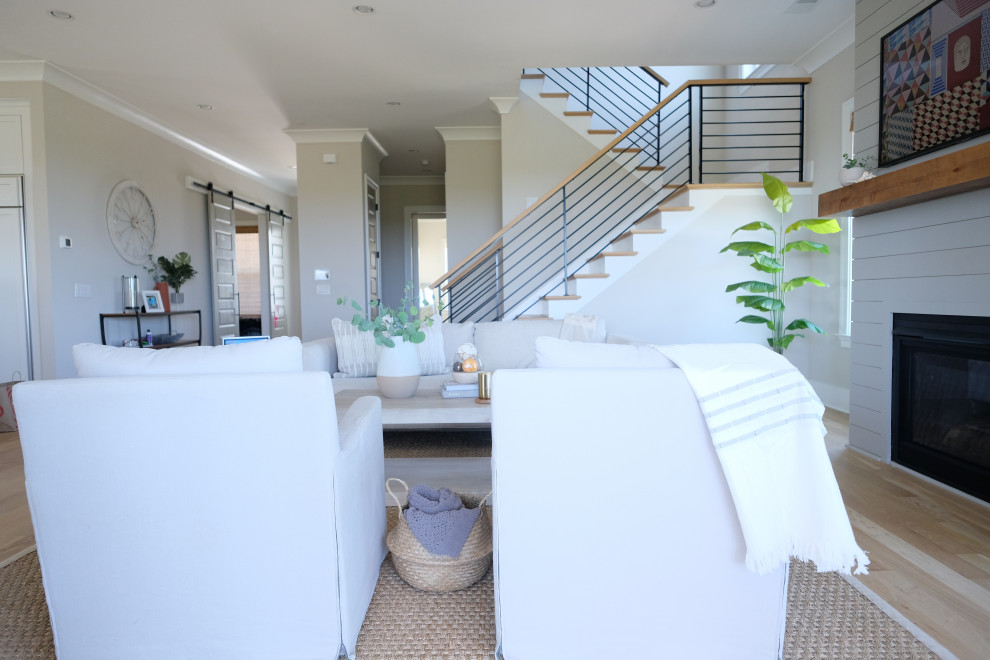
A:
766, 423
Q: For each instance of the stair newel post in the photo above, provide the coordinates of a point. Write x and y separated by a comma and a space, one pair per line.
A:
563, 192
801, 135
701, 134
587, 88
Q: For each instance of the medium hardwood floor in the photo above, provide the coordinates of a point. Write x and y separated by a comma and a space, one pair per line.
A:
929, 547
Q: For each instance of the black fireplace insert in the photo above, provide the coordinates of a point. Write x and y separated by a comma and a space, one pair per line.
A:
940, 416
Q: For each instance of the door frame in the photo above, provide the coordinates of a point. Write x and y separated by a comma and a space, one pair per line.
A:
411, 239
369, 187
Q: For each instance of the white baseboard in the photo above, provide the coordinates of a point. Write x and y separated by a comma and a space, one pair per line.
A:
833, 396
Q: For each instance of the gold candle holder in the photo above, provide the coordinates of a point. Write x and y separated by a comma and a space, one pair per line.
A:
484, 387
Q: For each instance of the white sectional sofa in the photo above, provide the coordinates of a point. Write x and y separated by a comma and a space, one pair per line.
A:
349, 354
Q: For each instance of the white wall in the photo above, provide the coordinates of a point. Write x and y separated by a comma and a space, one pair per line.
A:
398, 194
79, 152
331, 231
538, 152
473, 193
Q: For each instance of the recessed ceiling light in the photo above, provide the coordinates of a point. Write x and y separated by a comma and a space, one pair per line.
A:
704, 4
364, 10
62, 15
204, 106
292, 167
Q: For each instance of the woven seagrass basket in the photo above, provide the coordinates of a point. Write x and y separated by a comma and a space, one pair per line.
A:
426, 571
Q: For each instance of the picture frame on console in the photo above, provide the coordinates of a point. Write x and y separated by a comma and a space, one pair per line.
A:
152, 302
935, 69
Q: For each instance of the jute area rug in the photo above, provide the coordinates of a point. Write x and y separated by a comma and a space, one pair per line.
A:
827, 619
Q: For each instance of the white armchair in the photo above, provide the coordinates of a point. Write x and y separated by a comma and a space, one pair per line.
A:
615, 533
206, 515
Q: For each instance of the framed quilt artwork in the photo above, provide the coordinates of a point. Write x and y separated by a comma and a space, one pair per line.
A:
933, 80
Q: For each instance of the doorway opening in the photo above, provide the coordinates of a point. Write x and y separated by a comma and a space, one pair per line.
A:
429, 256
248, 275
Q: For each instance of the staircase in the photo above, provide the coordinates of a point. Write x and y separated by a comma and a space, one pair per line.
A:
624, 204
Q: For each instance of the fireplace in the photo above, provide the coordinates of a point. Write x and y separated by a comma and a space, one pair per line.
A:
940, 415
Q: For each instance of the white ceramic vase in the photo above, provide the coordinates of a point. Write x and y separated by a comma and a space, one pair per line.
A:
398, 370
850, 175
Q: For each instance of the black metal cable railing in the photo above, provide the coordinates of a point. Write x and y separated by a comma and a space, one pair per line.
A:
674, 144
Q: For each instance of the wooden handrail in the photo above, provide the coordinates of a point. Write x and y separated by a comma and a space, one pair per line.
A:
622, 136
457, 279
657, 76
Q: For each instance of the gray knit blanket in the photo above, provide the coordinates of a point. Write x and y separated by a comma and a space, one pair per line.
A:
438, 519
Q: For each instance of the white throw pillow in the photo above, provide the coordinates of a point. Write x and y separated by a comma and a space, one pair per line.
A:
275, 355
357, 353
431, 352
582, 327
559, 353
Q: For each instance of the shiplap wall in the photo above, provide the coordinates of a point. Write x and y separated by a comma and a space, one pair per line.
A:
930, 258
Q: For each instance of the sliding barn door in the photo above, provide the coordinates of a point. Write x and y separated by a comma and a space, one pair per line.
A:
223, 261
278, 312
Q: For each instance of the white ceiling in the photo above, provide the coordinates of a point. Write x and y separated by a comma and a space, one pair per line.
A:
268, 66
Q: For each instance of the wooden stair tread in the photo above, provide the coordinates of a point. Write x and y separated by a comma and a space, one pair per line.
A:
626, 150
533, 76
669, 209
603, 131
650, 168
578, 113
616, 253
562, 297
588, 276
554, 95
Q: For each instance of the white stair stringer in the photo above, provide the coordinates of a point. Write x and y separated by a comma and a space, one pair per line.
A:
557, 106
645, 245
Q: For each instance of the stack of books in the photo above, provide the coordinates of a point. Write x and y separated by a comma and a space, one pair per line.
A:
454, 390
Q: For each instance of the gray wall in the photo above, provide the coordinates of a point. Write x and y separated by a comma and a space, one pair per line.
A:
397, 196
79, 153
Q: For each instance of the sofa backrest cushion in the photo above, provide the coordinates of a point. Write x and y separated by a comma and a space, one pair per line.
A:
511, 344
275, 355
455, 334
357, 352
559, 353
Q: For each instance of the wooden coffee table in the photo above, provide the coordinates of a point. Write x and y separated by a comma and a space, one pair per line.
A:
429, 410
425, 410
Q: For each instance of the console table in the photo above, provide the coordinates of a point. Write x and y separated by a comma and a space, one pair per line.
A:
138, 317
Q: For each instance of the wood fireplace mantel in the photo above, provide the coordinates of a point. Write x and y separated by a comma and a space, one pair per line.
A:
952, 174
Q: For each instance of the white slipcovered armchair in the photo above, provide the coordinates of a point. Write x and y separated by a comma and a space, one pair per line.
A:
615, 532
189, 514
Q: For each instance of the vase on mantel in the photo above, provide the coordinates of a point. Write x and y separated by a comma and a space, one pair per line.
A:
398, 370
162, 288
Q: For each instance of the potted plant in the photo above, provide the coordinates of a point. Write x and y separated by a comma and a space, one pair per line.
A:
396, 330
768, 297
854, 168
173, 272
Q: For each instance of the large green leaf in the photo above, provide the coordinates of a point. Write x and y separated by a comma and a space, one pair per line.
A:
806, 246
753, 318
777, 192
748, 248
804, 324
356, 306
753, 226
781, 343
761, 303
766, 264
790, 285
753, 286
817, 225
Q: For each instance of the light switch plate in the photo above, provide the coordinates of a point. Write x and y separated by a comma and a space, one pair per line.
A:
321, 275
323, 289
